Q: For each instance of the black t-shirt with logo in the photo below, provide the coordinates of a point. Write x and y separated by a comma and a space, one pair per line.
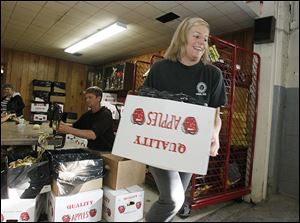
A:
201, 81
101, 123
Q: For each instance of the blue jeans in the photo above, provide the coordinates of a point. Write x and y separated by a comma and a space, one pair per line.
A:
172, 186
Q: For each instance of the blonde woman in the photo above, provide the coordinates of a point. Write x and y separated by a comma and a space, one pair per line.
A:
185, 69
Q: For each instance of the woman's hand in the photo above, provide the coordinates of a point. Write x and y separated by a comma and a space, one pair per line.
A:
215, 145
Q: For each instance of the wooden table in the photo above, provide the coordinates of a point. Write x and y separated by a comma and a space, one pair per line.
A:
11, 135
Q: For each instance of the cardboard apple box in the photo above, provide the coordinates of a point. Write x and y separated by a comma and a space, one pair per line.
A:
58, 189
80, 207
123, 205
22, 210
167, 134
122, 172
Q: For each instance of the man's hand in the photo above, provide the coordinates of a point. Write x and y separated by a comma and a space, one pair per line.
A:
63, 128
82, 133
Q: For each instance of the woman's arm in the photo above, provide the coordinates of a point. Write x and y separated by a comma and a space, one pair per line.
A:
215, 144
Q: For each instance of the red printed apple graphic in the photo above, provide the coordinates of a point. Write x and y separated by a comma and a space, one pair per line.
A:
190, 126
138, 205
108, 212
2, 217
121, 209
138, 116
93, 212
24, 216
66, 218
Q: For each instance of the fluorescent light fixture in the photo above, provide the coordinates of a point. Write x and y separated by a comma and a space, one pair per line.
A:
97, 37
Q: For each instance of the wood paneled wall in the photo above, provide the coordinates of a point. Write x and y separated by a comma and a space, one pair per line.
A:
242, 38
22, 68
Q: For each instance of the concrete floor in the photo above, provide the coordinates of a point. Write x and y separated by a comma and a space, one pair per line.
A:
277, 208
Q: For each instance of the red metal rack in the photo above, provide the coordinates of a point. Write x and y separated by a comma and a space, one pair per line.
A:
229, 174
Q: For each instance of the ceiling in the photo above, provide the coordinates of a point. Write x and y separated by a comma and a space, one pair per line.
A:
48, 27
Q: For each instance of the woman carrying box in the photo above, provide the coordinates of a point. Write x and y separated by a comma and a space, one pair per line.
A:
185, 69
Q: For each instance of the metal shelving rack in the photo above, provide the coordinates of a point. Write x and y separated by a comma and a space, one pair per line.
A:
229, 174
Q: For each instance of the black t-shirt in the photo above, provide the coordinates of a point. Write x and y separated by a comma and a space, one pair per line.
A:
101, 123
203, 82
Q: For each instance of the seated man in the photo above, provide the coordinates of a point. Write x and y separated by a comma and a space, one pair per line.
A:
96, 125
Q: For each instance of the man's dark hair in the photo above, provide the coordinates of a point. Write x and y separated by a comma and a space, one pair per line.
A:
94, 90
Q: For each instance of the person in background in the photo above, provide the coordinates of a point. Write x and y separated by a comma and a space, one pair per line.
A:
96, 125
185, 69
5, 117
11, 101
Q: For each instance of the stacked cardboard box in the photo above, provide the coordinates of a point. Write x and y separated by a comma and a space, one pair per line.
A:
123, 199
40, 103
25, 188
76, 193
58, 92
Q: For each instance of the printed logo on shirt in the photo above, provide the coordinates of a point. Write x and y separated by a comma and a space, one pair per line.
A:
201, 88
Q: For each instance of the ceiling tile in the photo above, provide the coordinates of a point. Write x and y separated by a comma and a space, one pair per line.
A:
40, 3
216, 2
68, 3
238, 17
149, 11
86, 8
8, 6
117, 9
29, 6
99, 4
163, 5
173, 24
131, 4
102, 19
197, 6
78, 13
133, 17
182, 11
228, 8
56, 7
47, 27
210, 14
22, 12
221, 21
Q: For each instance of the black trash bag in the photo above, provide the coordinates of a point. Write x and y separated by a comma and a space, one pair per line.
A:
151, 92
73, 167
30, 178
4, 194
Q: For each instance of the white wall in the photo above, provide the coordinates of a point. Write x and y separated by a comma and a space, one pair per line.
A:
292, 70
279, 66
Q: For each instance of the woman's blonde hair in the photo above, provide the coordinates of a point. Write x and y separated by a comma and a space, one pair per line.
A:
179, 40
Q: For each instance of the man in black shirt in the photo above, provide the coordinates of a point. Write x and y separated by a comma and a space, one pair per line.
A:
94, 125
